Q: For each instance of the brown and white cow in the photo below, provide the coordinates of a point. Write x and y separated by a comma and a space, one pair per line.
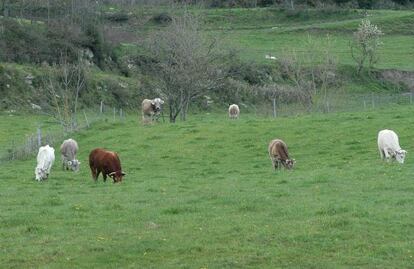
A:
151, 109
68, 150
234, 111
279, 155
107, 163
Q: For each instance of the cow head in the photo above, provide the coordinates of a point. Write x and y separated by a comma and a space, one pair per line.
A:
400, 155
41, 174
74, 165
156, 104
289, 163
117, 176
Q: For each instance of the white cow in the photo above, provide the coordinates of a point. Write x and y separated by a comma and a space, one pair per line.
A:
45, 159
389, 146
234, 111
151, 109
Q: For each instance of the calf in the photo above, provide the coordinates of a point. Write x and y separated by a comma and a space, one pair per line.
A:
389, 146
107, 162
45, 159
68, 151
151, 109
234, 111
279, 155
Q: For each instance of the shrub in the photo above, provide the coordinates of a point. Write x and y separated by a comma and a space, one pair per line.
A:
365, 44
116, 17
21, 43
162, 18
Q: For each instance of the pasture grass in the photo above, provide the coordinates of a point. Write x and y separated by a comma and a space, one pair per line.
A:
396, 52
202, 194
15, 127
257, 32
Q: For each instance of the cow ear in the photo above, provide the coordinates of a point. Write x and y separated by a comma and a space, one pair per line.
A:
79, 162
69, 162
123, 174
153, 103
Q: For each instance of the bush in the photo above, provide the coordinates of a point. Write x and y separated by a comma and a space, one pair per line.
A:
252, 73
162, 18
21, 43
116, 17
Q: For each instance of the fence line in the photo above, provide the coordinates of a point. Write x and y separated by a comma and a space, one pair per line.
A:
29, 147
332, 104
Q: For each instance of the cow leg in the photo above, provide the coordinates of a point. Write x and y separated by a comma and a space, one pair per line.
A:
279, 164
94, 174
382, 155
274, 164
387, 154
104, 176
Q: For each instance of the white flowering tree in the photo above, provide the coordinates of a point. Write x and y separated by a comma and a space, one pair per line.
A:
365, 44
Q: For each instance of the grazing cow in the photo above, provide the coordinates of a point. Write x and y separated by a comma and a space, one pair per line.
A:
107, 162
45, 159
279, 155
151, 109
389, 146
68, 149
234, 111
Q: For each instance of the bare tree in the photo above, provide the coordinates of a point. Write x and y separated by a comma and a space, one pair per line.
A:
63, 86
312, 73
187, 64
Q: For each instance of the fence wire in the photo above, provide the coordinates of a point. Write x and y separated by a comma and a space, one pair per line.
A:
40, 137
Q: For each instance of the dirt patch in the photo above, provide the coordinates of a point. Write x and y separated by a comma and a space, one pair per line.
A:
402, 78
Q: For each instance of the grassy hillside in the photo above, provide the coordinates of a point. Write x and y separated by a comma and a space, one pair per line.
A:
260, 31
260, 36
202, 194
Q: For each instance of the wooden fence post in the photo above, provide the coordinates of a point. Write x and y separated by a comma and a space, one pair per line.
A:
372, 100
86, 119
39, 137
274, 107
101, 109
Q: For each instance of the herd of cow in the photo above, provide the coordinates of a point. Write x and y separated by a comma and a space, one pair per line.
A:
108, 163
100, 161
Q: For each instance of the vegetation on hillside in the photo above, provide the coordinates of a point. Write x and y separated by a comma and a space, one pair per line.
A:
265, 53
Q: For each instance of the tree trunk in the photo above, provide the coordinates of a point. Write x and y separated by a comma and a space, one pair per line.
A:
173, 112
6, 8
48, 12
184, 109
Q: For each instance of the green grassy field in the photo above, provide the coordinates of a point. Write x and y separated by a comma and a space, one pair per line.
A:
14, 128
256, 38
260, 31
202, 194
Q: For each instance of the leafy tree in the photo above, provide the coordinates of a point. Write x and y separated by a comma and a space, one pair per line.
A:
365, 44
